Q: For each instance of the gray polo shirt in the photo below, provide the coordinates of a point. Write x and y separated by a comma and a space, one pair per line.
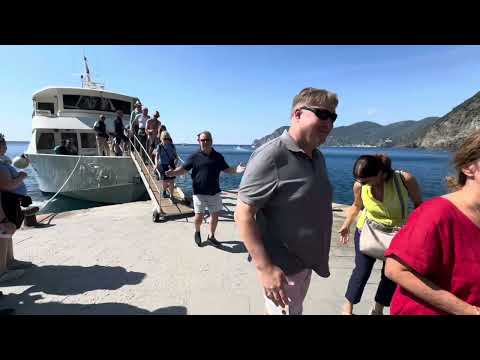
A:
293, 198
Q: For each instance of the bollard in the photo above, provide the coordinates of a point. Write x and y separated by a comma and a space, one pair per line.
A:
30, 214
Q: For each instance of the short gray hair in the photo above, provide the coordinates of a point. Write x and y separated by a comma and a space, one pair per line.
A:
207, 133
315, 97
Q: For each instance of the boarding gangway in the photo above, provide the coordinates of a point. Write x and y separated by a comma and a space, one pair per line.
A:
163, 208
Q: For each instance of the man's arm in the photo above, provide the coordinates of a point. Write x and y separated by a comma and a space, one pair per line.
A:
235, 169
182, 169
179, 171
250, 234
271, 276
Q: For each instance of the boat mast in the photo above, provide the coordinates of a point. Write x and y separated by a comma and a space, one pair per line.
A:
87, 81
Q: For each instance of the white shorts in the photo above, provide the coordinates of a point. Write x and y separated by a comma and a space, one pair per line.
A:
211, 202
296, 293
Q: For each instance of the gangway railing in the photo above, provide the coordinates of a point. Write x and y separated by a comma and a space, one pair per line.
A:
162, 207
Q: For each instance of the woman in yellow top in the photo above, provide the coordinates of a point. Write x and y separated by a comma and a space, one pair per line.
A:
375, 196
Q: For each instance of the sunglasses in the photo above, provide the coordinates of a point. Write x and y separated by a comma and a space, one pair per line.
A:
205, 140
167, 139
365, 180
361, 181
322, 114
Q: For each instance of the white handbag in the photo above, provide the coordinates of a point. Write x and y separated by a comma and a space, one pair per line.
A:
375, 238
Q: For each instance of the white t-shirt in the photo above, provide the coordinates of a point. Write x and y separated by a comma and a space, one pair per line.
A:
142, 121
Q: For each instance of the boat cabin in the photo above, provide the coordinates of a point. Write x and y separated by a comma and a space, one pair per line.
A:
61, 113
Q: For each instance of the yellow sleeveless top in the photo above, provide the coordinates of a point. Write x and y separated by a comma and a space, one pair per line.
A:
387, 212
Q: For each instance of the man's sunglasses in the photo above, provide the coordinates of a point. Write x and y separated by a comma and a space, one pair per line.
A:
322, 114
205, 140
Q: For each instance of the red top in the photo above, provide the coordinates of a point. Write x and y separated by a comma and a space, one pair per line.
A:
443, 245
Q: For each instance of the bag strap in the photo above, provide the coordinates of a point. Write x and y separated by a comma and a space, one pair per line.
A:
402, 178
166, 152
397, 187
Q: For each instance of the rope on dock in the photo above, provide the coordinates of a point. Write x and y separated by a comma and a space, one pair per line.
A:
61, 188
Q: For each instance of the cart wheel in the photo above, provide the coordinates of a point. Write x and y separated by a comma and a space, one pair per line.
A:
156, 216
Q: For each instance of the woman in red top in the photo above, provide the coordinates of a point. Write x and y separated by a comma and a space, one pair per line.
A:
435, 257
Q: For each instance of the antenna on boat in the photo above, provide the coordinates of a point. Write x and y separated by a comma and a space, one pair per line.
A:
87, 79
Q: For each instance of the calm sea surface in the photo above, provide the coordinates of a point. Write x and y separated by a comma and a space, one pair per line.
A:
429, 167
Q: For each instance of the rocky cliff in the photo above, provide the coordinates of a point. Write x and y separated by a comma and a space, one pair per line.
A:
450, 130
446, 132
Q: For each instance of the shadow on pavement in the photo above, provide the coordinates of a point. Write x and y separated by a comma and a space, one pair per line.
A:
234, 247
26, 304
74, 280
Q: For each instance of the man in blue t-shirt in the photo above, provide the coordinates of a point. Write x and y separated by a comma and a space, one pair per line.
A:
206, 166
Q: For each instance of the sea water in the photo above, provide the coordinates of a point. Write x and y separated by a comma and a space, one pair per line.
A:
429, 167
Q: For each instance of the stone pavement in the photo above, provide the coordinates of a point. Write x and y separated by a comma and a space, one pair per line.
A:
115, 260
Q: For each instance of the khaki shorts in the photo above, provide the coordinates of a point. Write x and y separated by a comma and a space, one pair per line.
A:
211, 202
296, 293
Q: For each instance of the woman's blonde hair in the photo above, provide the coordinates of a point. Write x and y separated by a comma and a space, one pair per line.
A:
467, 153
165, 134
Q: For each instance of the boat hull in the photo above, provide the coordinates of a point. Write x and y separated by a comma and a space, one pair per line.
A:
103, 179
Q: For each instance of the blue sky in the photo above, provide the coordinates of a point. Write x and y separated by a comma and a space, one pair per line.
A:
244, 92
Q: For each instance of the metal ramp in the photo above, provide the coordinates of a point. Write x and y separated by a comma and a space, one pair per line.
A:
163, 209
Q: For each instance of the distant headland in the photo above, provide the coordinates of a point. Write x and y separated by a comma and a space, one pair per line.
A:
444, 132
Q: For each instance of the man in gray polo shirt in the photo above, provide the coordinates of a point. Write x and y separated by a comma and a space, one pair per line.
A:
284, 208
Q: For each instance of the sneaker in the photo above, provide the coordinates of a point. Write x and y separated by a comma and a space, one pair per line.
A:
375, 312
214, 241
17, 264
198, 238
11, 275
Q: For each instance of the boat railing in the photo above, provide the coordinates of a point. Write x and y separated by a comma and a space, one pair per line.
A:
137, 148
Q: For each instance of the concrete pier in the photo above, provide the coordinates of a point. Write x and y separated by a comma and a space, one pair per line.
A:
115, 260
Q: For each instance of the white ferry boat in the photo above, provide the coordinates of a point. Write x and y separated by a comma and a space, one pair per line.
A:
69, 113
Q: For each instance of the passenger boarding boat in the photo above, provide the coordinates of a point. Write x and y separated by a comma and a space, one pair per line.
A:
69, 113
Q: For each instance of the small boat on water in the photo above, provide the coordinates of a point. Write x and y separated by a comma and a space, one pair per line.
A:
69, 113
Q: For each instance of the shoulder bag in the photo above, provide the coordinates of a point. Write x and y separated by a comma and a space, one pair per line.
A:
375, 238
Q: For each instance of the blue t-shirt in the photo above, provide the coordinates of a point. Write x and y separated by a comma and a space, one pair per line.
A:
22, 188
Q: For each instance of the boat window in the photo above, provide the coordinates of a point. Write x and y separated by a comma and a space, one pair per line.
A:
46, 106
96, 103
46, 141
88, 140
73, 138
